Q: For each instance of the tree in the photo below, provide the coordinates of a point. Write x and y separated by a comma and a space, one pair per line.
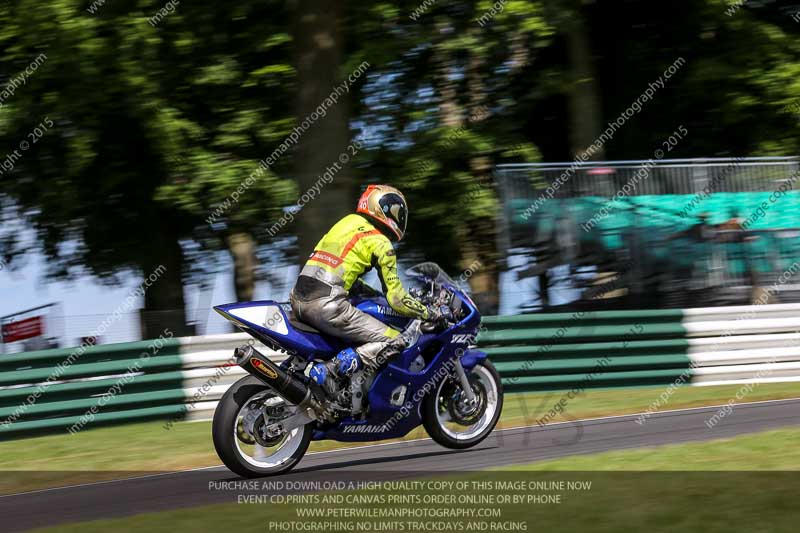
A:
153, 128
323, 147
441, 113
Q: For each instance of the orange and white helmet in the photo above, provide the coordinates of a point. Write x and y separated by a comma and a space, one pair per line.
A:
387, 206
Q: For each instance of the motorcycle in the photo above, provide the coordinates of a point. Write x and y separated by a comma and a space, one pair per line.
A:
265, 422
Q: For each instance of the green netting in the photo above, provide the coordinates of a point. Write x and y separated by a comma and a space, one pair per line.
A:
773, 245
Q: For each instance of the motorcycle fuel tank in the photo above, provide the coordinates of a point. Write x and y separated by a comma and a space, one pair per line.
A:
379, 308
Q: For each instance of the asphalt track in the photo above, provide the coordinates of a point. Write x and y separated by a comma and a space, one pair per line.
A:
159, 492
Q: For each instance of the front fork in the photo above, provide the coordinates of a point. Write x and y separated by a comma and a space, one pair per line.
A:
465, 384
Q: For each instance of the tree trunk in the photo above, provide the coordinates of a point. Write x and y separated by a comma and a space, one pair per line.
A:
479, 255
318, 45
584, 99
544, 289
480, 264
450, 113
242, 248
584, 104
164, 305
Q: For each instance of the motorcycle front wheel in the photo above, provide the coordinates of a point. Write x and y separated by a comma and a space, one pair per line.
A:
239, 435
452, 421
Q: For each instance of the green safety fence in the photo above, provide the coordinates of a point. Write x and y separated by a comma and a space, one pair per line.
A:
557, 351
53, 390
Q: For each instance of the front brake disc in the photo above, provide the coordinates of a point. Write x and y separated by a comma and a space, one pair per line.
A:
467, 417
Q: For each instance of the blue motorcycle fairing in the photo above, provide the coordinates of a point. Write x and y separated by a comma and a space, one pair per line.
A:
387, 421
268, 322
268, 319
472, 358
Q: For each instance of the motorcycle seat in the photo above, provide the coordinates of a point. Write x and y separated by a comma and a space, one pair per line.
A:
302, 326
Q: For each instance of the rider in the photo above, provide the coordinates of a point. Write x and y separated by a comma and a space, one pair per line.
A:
352, 247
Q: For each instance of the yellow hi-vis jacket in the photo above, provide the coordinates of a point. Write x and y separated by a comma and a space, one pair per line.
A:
351, 248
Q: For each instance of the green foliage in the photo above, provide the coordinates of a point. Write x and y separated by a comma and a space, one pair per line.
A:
154, 126
442, 60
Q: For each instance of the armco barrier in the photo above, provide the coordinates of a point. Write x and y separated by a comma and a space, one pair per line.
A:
705, 346
55, 390
586, 349
41, 393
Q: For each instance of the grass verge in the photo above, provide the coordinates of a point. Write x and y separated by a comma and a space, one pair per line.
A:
773, 450
648, 500
122, 451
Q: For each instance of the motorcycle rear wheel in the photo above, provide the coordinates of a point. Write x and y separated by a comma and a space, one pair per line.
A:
239, 450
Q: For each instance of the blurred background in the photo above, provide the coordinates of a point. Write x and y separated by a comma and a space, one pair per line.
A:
557, 154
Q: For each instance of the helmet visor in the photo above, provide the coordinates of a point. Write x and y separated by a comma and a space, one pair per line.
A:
394, 208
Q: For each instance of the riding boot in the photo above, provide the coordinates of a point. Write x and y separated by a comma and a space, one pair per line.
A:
345, 364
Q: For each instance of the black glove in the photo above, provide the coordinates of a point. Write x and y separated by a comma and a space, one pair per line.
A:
439, 319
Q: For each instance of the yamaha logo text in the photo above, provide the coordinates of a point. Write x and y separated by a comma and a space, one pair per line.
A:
367, 428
